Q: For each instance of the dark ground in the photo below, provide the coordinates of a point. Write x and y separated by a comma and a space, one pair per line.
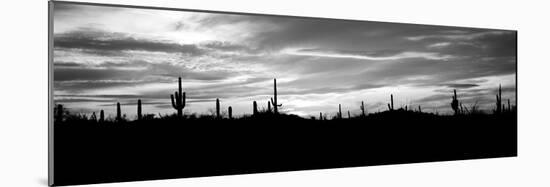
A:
88, 152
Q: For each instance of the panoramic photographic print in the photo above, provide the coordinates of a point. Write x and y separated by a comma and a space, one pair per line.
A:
149, 93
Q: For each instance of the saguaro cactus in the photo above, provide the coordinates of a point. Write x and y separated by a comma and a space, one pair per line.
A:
217, 108
179, 102
139, 109
362, 107
274, 98
339, 111
230, 112
390, 106
59, 113
454, 104
499, 100
320, 116
101, 116
118, 113
254, 108
93, 117
419, 109
269, 106
349, 115
509, 107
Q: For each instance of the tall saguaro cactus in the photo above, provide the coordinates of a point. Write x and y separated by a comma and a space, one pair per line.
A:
362, 109
339, 111
118, 113
178, 102
454, 104
274, 98
139, 116
101, 116
254, 108
230, 112
499, 100
390, 106
217, 108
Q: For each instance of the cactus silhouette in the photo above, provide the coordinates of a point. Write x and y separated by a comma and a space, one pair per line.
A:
139, 109
509, 107
93, 117
455, 104
118, 113
390, 106
419, 109
59, 113
101, 116
274, 101
217, 108
339, 111
254, 108
349, 116
499, 100
320, 116
268, 106
362, 107
230, 112
179, 102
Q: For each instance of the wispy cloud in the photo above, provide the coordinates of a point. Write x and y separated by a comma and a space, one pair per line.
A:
459, 36
368, 55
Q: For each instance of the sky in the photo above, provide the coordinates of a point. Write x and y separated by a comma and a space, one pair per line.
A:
104, 55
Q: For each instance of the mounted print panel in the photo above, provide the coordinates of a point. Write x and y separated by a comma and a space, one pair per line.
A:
142, 93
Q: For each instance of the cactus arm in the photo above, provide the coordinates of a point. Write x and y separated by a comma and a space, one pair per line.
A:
173, 103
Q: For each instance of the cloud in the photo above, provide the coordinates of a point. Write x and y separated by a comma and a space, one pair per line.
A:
224, 46
459, 36
370, 55
66, 64
476, 45
87, 96
111, 43
82, 100
439, 45
331, 90
460, 85
132, 70
72, 74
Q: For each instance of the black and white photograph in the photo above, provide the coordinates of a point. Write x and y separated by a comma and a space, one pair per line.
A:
141, 93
